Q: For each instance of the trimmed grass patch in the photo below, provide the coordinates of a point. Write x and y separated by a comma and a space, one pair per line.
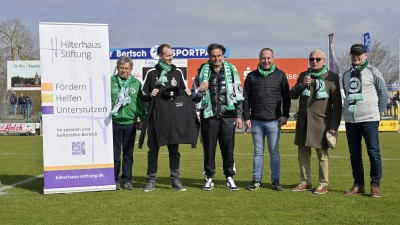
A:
21, 158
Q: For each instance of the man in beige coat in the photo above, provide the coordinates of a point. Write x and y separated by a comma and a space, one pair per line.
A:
320, 109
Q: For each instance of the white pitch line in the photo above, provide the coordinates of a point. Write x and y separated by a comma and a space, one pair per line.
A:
19, 183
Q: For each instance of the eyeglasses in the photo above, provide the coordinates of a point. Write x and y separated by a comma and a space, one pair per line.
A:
312, 59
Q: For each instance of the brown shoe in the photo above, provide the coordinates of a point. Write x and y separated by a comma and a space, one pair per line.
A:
302, 187
356, 190
321, 190
375, 193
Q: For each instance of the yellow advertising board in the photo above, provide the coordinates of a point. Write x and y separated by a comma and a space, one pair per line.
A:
389, 125
384, 125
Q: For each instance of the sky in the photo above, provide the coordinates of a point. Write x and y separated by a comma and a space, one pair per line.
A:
292, 28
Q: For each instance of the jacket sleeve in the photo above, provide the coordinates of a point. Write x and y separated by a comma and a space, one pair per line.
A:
286, 102
182, 85
381, 89
141, 106
197, 95
297, 89
336, 111
239, 109
247, 97
146, 88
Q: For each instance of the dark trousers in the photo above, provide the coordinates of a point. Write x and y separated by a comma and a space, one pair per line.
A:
355, 132
223, 130
152, 155
123, 137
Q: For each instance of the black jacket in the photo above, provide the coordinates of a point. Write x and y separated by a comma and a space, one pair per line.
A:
266, 98
175, 120
217, 88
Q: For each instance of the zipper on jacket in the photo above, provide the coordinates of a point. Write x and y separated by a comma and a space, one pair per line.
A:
217, 100
263, 94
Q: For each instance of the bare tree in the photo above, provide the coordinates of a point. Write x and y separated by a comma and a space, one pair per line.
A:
16, 43
380, 57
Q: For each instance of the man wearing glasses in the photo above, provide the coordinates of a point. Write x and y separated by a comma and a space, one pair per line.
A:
320, 109
366, 95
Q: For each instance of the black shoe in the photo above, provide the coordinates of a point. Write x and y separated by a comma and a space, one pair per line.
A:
151, 185
117, 186
276, 185
177, 185
255, 184
128, 186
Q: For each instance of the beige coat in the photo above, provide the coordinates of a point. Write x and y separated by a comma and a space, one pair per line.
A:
316, 116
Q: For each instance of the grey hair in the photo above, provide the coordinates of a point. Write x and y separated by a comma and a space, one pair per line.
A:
319, 52
123, 60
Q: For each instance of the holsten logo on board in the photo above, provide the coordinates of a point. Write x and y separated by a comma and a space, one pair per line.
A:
151, 53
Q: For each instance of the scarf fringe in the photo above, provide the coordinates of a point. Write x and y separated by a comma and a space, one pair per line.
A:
358, 97
306, 92
231, 107
322, 95
352, 108
163, 78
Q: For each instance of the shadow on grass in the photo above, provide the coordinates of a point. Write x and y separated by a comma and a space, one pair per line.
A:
30, 183
165, 183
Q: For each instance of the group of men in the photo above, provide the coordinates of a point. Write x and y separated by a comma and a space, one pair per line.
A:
163, 103
24, 103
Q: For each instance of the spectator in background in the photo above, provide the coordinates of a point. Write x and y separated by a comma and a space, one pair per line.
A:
395, 105
21, 104
389, 107
13, 102
28, 106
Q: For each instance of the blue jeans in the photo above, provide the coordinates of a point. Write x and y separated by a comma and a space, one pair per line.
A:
13, 108
369, 131
272, 130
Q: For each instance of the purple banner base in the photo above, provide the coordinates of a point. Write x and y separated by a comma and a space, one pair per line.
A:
81, 178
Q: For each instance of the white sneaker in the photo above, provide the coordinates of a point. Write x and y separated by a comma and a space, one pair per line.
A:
230, 184
209, 184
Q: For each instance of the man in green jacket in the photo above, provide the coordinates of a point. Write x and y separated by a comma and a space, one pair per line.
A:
127, 108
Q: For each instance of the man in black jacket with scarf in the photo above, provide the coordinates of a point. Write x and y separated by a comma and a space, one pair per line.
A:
217, 87
162, 86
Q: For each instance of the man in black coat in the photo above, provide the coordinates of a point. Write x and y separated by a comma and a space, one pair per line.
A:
164, 87
217, 86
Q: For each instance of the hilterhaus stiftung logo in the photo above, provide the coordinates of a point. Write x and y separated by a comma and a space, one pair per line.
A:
71, 49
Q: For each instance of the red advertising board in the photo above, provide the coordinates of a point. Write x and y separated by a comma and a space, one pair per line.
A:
292, 67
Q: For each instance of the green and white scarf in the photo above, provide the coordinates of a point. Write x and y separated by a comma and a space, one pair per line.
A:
165, 69
123, 97
320, 86
355, 86
234, 91
265, 72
